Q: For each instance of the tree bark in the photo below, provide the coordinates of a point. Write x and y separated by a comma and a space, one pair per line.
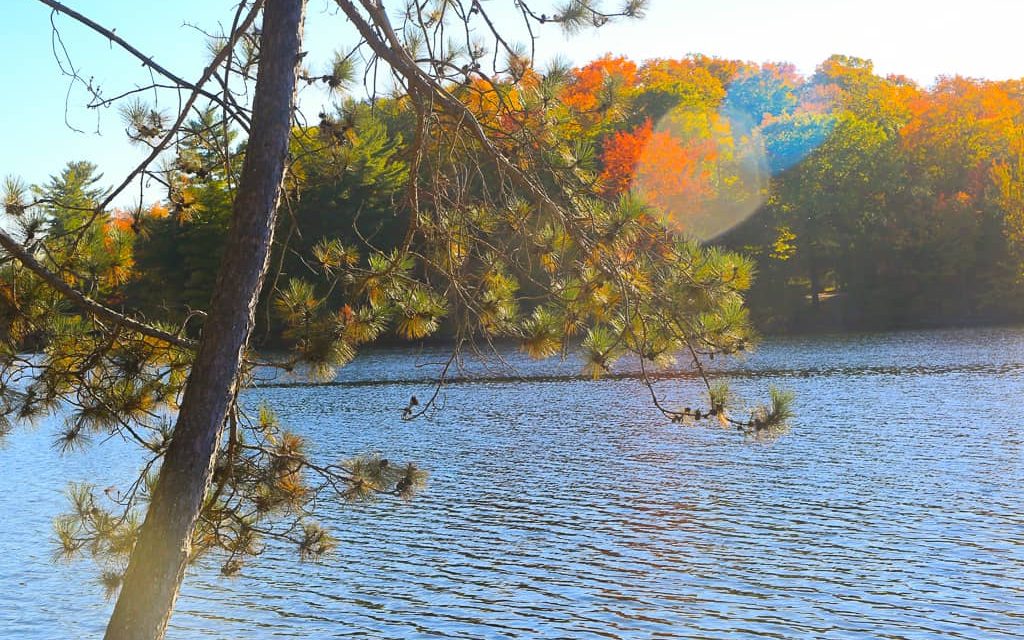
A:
158, 561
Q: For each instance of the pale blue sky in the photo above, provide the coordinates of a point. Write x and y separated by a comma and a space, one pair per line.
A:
919, 38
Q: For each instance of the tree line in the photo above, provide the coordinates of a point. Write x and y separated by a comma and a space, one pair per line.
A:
865, 201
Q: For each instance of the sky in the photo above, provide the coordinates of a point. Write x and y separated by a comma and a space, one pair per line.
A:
43, 125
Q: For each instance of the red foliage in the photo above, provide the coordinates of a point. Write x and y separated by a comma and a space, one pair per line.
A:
673, 175
676, 177
620, 158
588, 81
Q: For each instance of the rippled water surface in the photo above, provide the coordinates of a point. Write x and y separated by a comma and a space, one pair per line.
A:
562, 508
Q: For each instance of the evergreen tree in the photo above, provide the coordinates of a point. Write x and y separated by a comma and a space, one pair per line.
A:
493, 194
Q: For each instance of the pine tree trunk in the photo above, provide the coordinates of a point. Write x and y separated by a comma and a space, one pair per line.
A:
158, 561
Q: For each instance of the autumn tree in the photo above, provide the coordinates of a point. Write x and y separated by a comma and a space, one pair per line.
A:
897, 201
698, 163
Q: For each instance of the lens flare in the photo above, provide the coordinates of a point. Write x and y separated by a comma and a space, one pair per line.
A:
708, 171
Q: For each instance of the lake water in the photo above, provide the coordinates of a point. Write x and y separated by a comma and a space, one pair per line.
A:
561, 508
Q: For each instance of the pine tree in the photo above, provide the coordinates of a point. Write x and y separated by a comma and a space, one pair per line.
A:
507, 236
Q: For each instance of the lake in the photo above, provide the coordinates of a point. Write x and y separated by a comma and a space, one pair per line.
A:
565, 508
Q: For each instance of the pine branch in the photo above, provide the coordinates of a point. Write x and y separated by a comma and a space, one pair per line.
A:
83, 302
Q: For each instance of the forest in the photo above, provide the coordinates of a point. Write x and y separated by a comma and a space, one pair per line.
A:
865, 201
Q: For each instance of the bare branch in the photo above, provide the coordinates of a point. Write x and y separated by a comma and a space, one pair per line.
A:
147, 61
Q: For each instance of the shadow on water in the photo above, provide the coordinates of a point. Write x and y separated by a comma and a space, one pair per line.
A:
995, 370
